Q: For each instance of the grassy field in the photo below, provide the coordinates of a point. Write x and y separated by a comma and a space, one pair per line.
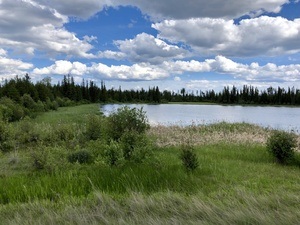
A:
237, 181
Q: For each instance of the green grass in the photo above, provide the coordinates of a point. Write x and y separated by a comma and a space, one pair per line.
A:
237, 181
73, 114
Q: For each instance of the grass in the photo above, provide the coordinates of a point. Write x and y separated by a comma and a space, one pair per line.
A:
237, 181
73, 114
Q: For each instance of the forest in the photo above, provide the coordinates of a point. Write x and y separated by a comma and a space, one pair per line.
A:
21, 97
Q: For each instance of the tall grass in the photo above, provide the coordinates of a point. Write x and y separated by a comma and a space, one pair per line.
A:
237, 181
72, 114
160, 208
223, 167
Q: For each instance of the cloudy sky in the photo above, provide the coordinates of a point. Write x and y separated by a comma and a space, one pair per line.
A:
173, 44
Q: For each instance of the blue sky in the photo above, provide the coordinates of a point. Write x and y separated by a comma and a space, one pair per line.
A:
173, 44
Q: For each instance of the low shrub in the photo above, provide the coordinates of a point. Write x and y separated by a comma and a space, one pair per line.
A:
136, 147
40, 159
94, 127
282, 145
81, 157
6, 137
127, 119
113, 153
64, 132
189, 158
27, 132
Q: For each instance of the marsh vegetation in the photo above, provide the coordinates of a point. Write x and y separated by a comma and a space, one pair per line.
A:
76, 166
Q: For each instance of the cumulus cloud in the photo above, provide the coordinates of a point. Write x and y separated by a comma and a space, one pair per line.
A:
145, 48
252, 72
9, 68
147, 71
251, 37
178, 9
26, 26
76, 8
175, 9
142, 71
62, 67
2, 52
108, 54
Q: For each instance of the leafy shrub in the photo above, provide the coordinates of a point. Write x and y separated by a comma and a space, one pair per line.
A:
28, 102
113, 153
189, 158
6, 137
39, 158
282, 146
27, 132
126, 119
64, 132
10, 110
81, 156
94, 127
135, 146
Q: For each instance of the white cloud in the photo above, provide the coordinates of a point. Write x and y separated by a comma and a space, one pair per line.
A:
58, 40
26, 26
3, 52
76, 8
177, 78
111, 55
147, 71
142, 71
9, 68
252, 72
62, 67
259, 36
146, 48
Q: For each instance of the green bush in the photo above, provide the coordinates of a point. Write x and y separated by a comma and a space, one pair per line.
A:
94, 127
113, 153
6, 137
64, 132
39, 160
282, 146
135, 146
10, 110
27, 132
81, 156
189, 158
126, 119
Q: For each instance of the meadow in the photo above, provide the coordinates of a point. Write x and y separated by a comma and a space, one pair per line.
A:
237, 181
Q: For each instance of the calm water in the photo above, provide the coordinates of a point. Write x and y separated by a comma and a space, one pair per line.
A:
285, 118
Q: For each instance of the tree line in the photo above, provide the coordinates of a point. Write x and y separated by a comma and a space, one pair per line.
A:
20, 96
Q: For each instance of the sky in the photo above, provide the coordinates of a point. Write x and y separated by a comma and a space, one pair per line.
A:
172, 44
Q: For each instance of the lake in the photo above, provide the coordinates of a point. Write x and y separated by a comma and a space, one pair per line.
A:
284, 118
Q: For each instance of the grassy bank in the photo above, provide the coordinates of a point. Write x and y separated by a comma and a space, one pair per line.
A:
237, 181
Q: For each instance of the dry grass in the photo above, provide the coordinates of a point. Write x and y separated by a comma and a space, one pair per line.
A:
160, 208
237, 133
210, 134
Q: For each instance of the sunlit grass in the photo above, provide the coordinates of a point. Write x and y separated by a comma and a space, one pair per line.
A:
73, 114
237, 181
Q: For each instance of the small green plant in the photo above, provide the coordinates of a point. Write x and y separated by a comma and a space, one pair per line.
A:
94, 127
189, 158
113, 153
40, 159
6, 137
282, 145
81, 156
